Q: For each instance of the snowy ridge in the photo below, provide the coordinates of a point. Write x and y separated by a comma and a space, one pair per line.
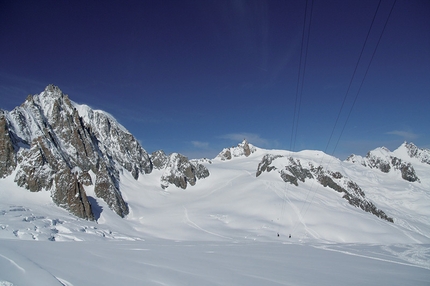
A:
88, 115
401, 161
242, 149
408, 151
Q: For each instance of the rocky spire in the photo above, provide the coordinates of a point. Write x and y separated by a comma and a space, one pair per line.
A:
51, 146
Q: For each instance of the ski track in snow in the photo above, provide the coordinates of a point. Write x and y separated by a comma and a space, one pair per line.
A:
13, 263
194, 225
415, 255
285, 198
227, 183
64, 282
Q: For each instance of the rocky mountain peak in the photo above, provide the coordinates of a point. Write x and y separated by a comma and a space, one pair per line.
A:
242, 149
54, 144
386, 161
46, 138
178, 170
410, 150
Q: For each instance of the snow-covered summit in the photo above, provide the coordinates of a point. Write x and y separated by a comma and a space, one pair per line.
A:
50, 143
95, 116
242, 149
177, 169
46, 140
398, 161
408, 151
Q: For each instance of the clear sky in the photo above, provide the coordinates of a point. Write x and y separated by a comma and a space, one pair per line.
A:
197, 76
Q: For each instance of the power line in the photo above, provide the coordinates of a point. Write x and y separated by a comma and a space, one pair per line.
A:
364, 77
299, 85
300, 74
353, 76
355, 98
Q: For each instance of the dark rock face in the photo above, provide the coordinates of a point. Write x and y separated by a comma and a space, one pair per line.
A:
38, 166
242, 149
180, 172
423, 155
225, 155
384, 160
107, 188
200, 171
406, 169
352, 193
296, 169
294, 172
54, 144
265, 164
85, 179
379, 163
159, 159
71, 195
7, 151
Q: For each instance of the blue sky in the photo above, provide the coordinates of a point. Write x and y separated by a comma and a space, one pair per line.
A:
197, 76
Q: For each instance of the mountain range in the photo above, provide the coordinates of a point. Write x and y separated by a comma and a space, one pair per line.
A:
51, 143
91, 166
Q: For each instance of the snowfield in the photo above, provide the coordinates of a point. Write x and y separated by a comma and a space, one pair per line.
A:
160, 262
224, 231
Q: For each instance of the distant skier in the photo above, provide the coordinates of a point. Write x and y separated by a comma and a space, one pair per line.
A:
289, 236
278, 234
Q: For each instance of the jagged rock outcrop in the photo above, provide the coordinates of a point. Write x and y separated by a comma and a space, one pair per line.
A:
180, 172
53, 143
422, 154
116, 142
350, 190
70, 194
159, 159
7, 150
297, 171
107, 188
265, 164
292, 171
200, 171
385, 160
242, 149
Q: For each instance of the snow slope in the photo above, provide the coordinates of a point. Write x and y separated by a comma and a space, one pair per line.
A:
223, 230
159, 262
232, 203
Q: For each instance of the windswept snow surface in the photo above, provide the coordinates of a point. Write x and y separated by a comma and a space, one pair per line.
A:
208, 263
223, 231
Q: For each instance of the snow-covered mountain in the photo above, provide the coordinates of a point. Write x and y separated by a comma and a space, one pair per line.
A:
400, 161
56, 153
50, 143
